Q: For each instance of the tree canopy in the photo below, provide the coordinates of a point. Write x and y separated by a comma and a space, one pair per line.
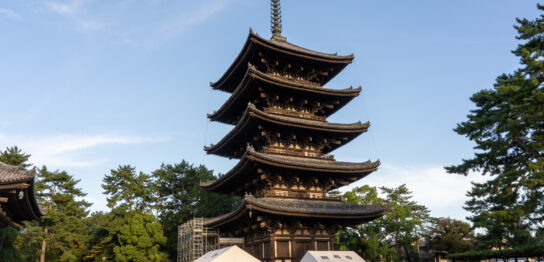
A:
507, 127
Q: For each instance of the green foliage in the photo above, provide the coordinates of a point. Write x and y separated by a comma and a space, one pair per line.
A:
532, 250
67, 234
451, 236
180, 198
128, 190
14, 156
140, 238
508, 129
403, 225
129, 232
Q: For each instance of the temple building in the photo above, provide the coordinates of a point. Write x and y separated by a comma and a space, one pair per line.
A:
279, 109
17, 200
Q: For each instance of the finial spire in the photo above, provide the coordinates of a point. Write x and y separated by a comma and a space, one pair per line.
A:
275, 23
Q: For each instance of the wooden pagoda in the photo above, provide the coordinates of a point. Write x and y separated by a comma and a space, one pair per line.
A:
281, 135
17, 200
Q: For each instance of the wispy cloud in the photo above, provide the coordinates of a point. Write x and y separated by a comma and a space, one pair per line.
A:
134, 22
10, 14
63, 150
444, 194
65, 8
180, 23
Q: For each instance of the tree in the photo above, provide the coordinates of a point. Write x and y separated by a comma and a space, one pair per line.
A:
402, 226
508, 129
63, 231
370, 240
128, 190
129, 232
140, 239
451, 236
180, 198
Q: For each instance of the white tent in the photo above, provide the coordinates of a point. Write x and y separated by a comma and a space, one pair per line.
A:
227, 254
331, 256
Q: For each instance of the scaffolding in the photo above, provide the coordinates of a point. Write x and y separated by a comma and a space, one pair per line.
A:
195, 240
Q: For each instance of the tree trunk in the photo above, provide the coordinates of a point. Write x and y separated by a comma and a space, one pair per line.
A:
408, 256
397, 246
44, 242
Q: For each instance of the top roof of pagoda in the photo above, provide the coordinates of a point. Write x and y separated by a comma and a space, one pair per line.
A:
255, 44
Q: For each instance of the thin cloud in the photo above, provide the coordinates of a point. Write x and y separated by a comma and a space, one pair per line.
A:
444, 194
179, 24
10, 14
63, 150
65, 8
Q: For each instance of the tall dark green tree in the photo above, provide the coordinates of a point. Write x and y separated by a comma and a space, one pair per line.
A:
508, 129
129, 232
63, 231
180, 198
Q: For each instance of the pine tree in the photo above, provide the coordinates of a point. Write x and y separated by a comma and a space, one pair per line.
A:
180, 198
508, 129
63, 231
129, 232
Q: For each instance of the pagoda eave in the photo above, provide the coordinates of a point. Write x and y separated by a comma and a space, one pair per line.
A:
253, 161
249, 124
244, 93
334, 211
254, 42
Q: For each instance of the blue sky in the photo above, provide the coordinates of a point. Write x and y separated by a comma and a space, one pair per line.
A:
87, 85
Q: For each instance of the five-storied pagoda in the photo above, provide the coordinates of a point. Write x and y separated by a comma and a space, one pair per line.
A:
279, 110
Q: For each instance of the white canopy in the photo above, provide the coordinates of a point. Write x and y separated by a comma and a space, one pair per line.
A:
331, 256
227, 254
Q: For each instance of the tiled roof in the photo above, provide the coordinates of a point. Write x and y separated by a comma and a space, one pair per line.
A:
313, 207
12, 174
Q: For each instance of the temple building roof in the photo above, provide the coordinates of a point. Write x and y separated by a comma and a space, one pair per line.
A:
340, 211
283, 50
246, 92
249, 123
17, 200
252, 160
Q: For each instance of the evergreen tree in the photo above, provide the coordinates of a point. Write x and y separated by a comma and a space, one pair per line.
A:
63, 231
450, 236
180, 198
508, 129
402, 225
129, 232
129, 190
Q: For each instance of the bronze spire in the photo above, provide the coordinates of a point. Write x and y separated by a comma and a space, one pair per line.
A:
275, 23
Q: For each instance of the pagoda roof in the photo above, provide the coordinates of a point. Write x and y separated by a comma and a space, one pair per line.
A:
237, 102
236, 138
254, 42
253, 159
337, 210
17, 200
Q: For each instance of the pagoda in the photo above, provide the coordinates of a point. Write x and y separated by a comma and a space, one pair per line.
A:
281, 136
